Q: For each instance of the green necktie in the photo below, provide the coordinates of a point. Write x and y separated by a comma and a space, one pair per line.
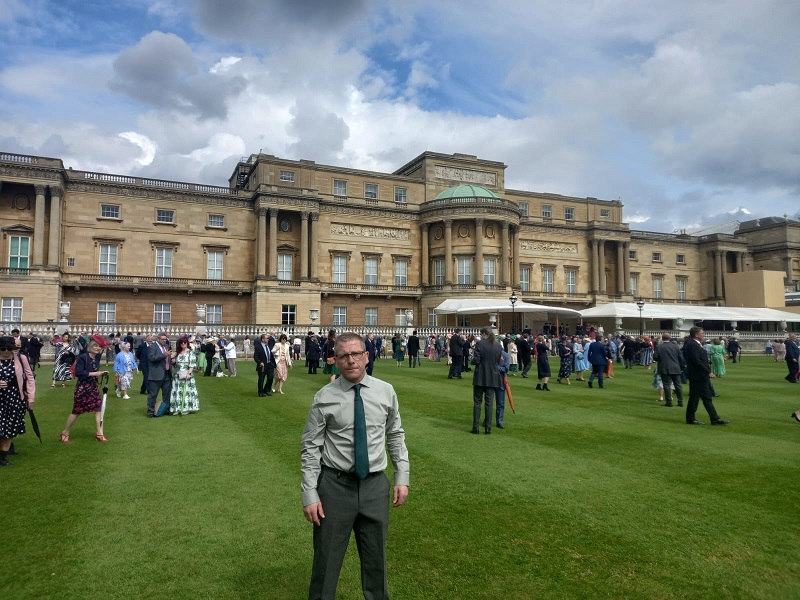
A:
360, 427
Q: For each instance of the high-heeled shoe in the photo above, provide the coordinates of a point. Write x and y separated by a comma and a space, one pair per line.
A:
100, 437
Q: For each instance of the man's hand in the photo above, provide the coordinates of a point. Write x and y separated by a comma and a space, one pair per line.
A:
400, 495
314, 513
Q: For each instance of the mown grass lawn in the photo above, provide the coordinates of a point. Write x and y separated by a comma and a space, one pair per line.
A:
585, 494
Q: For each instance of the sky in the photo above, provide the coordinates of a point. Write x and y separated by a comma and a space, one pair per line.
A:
687, 111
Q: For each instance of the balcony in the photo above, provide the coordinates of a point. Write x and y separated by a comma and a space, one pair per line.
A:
14, 271
140, 282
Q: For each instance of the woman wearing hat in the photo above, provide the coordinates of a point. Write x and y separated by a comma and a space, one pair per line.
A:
87, 395
17, 391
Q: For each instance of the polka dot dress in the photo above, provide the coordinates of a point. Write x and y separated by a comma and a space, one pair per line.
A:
12, 406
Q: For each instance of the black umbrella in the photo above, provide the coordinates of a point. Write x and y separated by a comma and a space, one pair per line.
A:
35, 425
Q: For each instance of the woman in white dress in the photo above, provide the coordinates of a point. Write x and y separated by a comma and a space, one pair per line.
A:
230, 356
283, 360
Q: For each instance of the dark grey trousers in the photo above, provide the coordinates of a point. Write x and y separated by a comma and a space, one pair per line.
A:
482, 395
153, 387
349, 505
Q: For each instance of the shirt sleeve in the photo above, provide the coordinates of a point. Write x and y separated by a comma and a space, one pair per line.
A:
396, 443
311, 454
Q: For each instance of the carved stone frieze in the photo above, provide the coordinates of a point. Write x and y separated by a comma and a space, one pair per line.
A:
549, 247
465, 175
396, 215
158, 194
31, 173
362, 231
56, 191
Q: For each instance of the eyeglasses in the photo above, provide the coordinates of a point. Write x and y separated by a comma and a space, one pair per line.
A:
351, 355
8, 348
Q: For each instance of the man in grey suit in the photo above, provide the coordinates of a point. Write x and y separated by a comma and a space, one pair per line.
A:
486, 378
159, 374
670, 366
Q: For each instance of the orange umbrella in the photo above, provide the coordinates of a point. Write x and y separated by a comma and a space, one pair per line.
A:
508, 394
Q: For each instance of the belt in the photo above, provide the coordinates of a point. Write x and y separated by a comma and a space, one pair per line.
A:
348, 474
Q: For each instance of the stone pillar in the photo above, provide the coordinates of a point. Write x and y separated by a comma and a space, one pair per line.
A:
425, 276
626, 256
479, 250
742, 256
620, 268
304, 246
504, 278
54, 243
515, 258
273, 242
314, 246
448, 251
788, 269
718, 257
38, 227
593, 259
261, 243
601, 259
710, 273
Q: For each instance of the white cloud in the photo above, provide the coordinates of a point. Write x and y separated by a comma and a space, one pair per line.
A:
143, 142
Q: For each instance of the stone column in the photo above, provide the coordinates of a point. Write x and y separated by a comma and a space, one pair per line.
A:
448, 251
261, 243
314, 246
304, 245
273, 242
741, 262
504, 279
788, 269
514, 279
479, 250
601, 256
425, 276
620, 268
38, 227
710, 273
54, 243
593, 260
626, 284
718, 257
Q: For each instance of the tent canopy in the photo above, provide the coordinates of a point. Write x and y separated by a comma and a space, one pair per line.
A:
471, 306
690, 312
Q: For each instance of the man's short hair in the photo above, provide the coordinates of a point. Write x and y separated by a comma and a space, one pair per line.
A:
694, 331
348, 336
598, 337
665, 336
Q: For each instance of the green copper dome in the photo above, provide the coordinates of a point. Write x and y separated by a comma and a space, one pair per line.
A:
466, 191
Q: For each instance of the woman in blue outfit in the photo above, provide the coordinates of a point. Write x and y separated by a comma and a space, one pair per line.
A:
581, 362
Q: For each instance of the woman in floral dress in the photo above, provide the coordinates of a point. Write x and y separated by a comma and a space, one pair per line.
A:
717, 354
183, 398
87, 395
283, 360
124, 367
65, 356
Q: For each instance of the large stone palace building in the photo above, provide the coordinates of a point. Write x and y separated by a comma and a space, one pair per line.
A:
361, 247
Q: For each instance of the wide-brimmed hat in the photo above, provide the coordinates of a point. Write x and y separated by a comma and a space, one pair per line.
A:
101, 341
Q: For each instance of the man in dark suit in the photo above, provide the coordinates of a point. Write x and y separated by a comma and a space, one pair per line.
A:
734, 348
265, 365
670, 366
792, 358
412, 346
372, 351
524, 352
486, 378
159, 374
598, 356
456, 355
34, 349
699, 379
142, 361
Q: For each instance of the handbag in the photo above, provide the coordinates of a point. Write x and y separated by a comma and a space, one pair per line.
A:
183, 374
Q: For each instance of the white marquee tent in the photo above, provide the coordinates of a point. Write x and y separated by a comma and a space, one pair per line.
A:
689, 312
472, 306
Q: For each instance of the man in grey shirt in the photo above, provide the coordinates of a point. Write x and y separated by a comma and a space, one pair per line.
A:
352, 421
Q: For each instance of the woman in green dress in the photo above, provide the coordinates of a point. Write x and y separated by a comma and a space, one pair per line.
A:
717, 354
329, 354
183, 399
399, 349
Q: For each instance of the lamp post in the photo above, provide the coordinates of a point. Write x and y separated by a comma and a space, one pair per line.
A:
513, 299
640, 305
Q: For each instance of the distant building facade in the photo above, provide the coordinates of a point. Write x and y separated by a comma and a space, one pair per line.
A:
361, 247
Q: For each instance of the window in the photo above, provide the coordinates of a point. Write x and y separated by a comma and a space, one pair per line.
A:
547, 280
547, 211
488, 271
464, 271
109, 211
523, 209
216, 220
569, 213
70, 262
401, 272
572, 282
165, 216
287, 176
288, 314
213, 313
339, 269
284, 266
371, 271
339, 316
632, 255
12, 310
432, 317
340, 187
605, 213
656, 256
657, 281
18, 252
400, 317
164, 262
680, 259
106, 312
400, 195
371, 315
371, 191
162, 313
463, 321
215, 264
438, 271
634, 285
108, 261
681, 281
525, 279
